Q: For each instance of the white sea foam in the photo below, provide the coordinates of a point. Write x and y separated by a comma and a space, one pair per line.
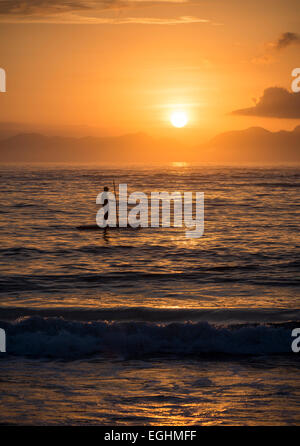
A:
59, 338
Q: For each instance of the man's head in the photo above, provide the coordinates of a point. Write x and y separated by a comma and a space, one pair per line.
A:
105, 189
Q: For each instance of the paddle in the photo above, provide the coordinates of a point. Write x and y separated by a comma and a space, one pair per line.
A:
117, 213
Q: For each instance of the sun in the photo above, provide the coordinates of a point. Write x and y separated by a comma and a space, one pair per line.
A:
179, 119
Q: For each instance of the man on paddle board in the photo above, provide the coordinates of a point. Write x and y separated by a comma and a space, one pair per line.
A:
106, 201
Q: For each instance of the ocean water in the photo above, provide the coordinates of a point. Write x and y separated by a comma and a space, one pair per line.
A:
148, 326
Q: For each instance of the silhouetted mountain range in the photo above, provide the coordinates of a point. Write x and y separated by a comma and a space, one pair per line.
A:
138, 147
255, 144
251, 145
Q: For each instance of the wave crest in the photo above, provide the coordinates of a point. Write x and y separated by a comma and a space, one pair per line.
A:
59, 338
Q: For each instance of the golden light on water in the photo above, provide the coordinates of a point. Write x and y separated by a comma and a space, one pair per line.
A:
180, 164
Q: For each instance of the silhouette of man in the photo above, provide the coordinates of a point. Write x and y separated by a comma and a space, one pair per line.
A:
106, 201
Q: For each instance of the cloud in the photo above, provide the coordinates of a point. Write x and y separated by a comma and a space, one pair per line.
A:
87, 11
271, 49
35, 7
275, 102
77, 19
286, 39
157, 21
45, 7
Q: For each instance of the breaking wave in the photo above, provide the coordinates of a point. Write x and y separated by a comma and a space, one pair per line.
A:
59, 338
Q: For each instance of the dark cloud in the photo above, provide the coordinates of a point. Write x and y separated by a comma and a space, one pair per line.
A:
20, 7
287, 39
276, 102
87, 11
271, 49
44, 7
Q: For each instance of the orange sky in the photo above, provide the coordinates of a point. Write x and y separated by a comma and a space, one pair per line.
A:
124, 69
